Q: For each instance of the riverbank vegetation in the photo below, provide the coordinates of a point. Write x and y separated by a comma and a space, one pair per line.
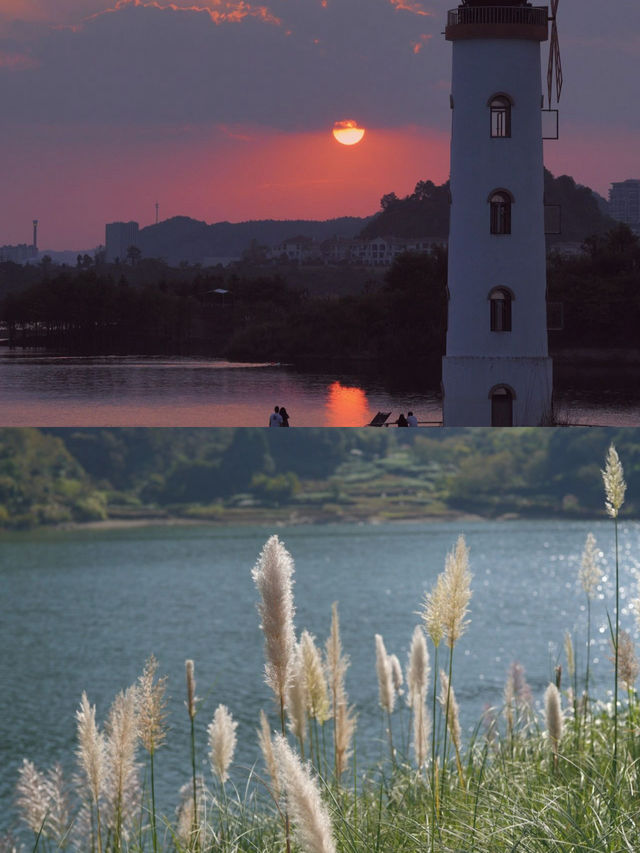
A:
551, 772
391, 321
60, 475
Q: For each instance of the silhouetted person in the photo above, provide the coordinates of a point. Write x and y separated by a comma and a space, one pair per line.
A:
275, 418
284, 414
412, 420
402, 421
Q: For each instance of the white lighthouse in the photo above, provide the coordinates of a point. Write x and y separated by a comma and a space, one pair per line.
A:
496, 371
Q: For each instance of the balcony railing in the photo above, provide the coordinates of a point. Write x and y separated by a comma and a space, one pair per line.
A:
524, 15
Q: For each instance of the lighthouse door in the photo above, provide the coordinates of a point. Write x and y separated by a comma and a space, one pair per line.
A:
501, 407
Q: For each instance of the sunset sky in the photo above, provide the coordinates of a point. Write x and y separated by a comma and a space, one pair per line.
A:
223, 109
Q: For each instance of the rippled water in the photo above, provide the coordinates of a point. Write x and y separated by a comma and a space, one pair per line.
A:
39, 390
82, 611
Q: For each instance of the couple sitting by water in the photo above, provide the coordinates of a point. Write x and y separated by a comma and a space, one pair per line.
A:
410, 421
279, 417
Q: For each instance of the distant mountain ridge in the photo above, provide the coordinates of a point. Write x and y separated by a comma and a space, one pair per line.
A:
423, 214
184, 239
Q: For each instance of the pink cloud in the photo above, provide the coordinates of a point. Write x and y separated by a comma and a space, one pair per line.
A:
420, 43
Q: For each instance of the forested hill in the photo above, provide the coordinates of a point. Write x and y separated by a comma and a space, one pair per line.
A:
425, 213
184, 239
53, 476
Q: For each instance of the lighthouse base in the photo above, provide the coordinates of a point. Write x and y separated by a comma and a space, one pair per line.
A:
490, 391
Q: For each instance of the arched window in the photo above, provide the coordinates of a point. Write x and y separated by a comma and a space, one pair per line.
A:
500, 202
500, 111
502, 397
500, 301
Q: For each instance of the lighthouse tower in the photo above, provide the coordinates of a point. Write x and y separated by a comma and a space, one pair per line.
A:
496, 371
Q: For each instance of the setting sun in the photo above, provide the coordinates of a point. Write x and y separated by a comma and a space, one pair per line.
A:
347, 132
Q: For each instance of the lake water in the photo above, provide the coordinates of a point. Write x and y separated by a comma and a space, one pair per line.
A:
37, 390
45, 390
82, 610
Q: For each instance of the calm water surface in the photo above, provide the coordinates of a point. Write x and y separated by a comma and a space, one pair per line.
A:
58, 391
44, 390
83, 610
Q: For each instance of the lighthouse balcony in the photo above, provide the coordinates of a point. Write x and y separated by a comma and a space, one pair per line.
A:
498, 21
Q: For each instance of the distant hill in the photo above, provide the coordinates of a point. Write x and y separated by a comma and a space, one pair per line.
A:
184, 239
425, 213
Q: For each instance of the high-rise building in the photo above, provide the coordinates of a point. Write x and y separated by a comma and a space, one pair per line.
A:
624, 201
496, 371
119, 236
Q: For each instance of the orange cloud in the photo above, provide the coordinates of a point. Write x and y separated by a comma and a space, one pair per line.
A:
422, 40
220, 11
407, 6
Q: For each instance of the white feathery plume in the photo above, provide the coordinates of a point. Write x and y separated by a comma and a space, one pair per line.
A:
297, 697
453, 721
317, 690
553, 717
418, 667
590, 574
122, 787
58, 820
91, 748
614, 484
343, 717
396, 674
421, 731
568, 651
273, 577
150, 706
222, 742
457, 587
385, 676
33, 797
417, 682
433, 611
309, 815
266, 746
627, 660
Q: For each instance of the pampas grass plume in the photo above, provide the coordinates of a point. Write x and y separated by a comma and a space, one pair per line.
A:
614, 484
191, 688
418, 667
273, 577
91, 748
297, 697
457, 588
589, 574
553, 717
386, 689
151, 706
453, 721
309, 815
266, 746
222, 742
317, 690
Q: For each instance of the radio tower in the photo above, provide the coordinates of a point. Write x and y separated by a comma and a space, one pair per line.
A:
35, 234
156, 213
